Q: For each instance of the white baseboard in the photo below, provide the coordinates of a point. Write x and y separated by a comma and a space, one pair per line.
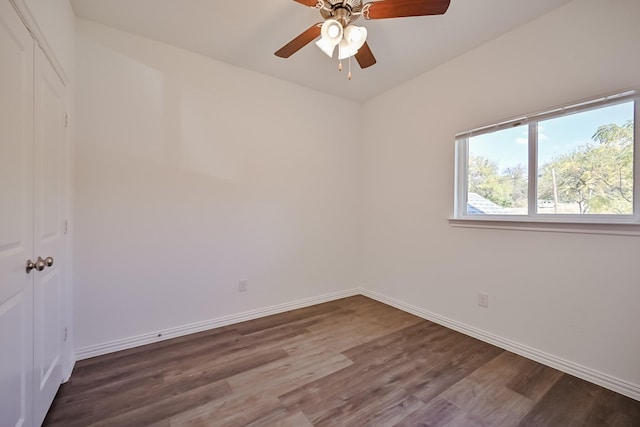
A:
148, 338
66, 374
587, 374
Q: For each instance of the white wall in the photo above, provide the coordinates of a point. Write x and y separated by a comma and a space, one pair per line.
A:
574, 296
192, 174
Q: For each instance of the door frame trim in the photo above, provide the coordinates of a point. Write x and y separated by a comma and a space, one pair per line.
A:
29, 21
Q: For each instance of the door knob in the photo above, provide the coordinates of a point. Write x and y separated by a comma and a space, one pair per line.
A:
39, 265
30, 266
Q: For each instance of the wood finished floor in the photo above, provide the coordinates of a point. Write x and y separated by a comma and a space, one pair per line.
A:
351, 362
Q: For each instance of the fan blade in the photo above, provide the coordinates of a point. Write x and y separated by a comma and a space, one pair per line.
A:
299, 42
364, 56
310, 3
403, 8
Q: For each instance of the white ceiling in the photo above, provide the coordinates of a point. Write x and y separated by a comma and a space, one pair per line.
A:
247, 33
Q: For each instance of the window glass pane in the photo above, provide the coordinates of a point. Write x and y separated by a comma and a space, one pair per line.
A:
585, 162
498, 173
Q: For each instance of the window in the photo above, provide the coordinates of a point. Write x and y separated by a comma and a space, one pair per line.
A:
571, 164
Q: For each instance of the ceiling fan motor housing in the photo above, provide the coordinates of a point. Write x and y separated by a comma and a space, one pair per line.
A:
342, 11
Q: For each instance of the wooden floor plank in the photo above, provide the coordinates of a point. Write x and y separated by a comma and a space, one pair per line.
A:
282, 376
487, 393
161, 409
438, 412
394, 412
533, 379
235, 410
353, 361
574, 402
294, 420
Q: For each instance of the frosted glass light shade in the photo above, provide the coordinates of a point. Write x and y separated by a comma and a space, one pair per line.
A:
346, 50
326, 47
355, 35
331, 33
354, 38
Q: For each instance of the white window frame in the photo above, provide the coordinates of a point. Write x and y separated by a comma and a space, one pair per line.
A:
532, 120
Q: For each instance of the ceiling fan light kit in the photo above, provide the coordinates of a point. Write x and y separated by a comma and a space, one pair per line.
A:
336, 29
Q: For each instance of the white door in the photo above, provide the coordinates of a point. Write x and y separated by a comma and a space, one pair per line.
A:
49, 235
16, 219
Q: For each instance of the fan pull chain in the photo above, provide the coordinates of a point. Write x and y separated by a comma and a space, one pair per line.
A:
339, 60
349, 75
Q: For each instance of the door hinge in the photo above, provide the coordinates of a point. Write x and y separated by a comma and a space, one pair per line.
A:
66, 226
66, 120
66, 333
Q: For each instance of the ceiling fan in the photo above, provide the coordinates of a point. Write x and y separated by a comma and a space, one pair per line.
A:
337, 29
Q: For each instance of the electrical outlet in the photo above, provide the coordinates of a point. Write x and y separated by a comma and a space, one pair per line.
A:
242, 285
483, 300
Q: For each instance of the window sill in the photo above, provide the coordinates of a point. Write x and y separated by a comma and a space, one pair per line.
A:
608, 228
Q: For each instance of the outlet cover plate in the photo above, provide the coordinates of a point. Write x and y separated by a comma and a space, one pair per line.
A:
483, 300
